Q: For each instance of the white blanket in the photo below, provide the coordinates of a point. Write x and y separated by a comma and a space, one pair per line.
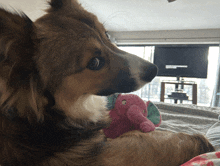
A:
191, 119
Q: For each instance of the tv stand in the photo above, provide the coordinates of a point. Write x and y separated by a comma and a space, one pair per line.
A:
179, 94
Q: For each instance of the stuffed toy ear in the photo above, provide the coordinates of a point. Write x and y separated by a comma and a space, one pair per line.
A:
111, 101
153, 114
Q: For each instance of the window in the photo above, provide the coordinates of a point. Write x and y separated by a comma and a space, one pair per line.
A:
151, 91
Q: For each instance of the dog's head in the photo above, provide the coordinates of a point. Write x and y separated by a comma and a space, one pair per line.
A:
65, 56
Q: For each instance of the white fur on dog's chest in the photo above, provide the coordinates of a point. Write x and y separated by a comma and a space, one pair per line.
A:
91, 106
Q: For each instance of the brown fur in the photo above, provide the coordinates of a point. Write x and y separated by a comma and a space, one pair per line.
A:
52, 74
158, 148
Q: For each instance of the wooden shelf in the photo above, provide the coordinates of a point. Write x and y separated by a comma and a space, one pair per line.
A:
194, 90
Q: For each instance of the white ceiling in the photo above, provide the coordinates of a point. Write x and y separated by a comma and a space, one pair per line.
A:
139, 15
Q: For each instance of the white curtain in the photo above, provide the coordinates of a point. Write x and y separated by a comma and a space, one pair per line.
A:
216, 94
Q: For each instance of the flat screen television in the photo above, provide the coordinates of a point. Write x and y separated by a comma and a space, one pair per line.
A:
182, 61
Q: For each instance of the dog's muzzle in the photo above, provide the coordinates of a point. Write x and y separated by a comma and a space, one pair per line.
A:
150, 73
128, 73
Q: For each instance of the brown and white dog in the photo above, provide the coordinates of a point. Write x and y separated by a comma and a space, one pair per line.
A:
54, 73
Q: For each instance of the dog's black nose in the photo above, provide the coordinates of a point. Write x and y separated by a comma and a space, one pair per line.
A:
149, 73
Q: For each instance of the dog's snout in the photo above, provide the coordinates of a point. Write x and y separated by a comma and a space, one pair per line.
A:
149, 73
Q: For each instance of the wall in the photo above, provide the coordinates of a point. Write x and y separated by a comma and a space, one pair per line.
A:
201, 36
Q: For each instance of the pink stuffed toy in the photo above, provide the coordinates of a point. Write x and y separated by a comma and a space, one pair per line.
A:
130, 112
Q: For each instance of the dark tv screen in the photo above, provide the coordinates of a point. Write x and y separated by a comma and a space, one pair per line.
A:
182, 61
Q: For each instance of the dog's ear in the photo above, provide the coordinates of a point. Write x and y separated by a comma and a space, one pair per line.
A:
64, 5
18, 71
56, 4
72, 8
16, 47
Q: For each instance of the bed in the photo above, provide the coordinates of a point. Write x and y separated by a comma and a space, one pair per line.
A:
190, 119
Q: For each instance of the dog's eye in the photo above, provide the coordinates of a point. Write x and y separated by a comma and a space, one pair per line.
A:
96, 63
